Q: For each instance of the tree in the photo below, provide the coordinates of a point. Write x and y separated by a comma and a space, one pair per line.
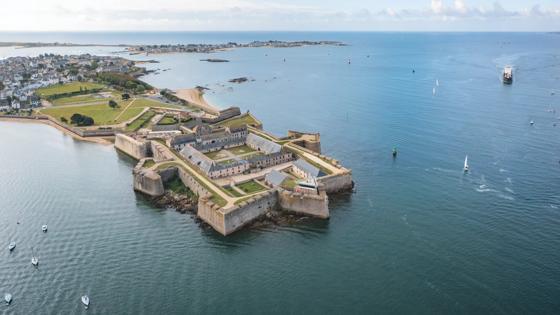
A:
64, 120
76, 118
113, 104
125, 96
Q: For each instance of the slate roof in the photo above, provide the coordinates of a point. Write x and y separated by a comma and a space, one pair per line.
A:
265, 145
197, 158
275, 178
308, 168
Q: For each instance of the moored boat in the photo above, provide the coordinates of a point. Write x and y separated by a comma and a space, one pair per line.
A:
85, 301
11, 246
507, 76
8, 298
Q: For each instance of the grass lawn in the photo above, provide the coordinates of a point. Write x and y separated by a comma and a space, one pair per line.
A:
141, 121
228, 161
167, 120
149, 163
242, 120
289, 183
102, 114
232, 192
241, 150
80, 99
68, 88
177, 186
216, 155
251, 187
146, 102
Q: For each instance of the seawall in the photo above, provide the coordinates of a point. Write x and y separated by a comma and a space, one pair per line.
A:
313, 205
131, 146
336, 183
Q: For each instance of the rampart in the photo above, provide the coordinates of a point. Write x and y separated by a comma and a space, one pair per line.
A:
313, 205
132, 147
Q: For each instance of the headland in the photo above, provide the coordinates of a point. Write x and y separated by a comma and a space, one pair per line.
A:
219, 163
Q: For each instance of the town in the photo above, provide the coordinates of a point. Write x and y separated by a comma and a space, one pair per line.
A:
20, 77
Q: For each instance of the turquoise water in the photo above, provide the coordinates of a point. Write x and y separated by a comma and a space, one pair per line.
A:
418, 236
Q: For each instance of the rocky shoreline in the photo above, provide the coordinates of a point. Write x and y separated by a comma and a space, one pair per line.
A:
186, 205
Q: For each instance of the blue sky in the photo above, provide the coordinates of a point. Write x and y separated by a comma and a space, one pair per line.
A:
325, 15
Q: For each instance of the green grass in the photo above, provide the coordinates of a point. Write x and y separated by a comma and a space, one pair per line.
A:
80, 99
168, 120
226, 161
176, 185
215, 155
67, 88
215, 198
102, 114
242, 120
141, 121
232, 192
251, 187
241, 150
289, 183
146, 102
149, 163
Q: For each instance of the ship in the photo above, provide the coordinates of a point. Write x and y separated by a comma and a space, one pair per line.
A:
507, 76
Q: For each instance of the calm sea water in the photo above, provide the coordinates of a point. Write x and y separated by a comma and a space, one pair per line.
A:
418, 236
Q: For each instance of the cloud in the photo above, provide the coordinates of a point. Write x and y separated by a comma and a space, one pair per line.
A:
261, 15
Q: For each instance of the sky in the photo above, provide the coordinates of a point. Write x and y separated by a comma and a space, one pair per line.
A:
288, 15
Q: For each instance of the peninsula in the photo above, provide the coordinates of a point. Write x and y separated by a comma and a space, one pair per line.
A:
220, 162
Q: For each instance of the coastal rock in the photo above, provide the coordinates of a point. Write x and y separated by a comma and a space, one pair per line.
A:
239, 80
214, 60
181, 203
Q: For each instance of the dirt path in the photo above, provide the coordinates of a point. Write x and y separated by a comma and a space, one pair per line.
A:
125, 109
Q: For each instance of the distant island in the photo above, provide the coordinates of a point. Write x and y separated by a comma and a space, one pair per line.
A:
209, 48
214, 60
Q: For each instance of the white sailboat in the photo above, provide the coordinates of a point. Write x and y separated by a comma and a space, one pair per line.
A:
11, 246
466, 167
44, 228
85, 301
34, 259
437, 82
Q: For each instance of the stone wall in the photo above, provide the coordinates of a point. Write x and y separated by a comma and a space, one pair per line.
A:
131, 146
159, 152
168, 174
192, 183
313, 205
231, 220
336, 183
148, 182
211, 214
249, 210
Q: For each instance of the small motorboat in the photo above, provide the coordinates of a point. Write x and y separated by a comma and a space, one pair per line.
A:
8, 298
394, 152
85, 301
44, 228
532, 122
466, 167
437, 82
11, 246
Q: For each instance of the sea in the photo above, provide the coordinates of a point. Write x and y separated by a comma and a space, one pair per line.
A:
417, 236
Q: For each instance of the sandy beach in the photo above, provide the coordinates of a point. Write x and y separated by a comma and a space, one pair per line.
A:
195, 97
